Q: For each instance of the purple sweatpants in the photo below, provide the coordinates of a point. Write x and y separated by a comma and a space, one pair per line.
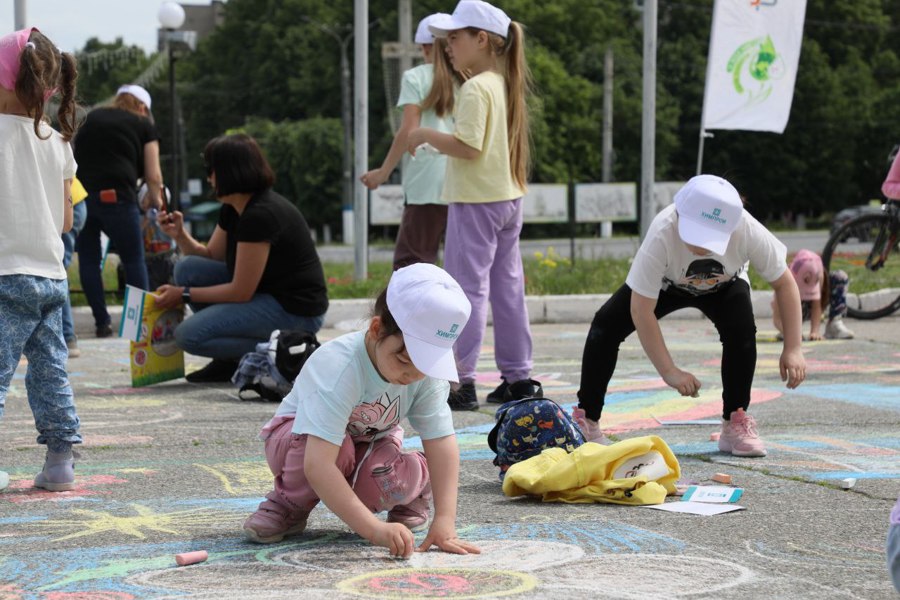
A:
294, 495
481, 252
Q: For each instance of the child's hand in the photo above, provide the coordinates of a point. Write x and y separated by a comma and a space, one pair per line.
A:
815, 336
684, 382
396, 537
373, 178
444, 537
793, 367
414, 139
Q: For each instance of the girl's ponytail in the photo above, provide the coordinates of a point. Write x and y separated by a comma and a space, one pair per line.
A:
66, 115
446, 79
42, 70
518, 87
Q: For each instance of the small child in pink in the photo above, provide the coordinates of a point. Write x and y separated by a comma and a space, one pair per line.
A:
336, 436
819, 290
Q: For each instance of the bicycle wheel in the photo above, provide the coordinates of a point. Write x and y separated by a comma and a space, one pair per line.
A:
866, 249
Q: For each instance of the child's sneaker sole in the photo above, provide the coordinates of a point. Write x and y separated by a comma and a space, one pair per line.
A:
55, 487
742, 453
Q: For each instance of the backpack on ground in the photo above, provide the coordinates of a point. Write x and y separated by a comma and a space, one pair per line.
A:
527, 426
270, 371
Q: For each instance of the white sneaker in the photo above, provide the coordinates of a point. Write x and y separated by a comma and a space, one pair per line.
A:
4, 480
589, 427
836, 330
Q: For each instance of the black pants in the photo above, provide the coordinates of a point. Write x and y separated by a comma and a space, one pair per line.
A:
729, 309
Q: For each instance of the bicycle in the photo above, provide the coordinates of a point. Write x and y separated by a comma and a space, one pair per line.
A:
862, 247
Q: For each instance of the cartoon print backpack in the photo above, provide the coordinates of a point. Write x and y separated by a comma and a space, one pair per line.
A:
270, 371
526, 427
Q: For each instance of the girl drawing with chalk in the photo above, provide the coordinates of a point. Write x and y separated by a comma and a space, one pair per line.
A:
336, 436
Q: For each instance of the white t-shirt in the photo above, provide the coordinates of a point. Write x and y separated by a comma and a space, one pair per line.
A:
339, 392
664, 260
32, 173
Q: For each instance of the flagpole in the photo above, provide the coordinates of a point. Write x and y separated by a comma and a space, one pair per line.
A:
703, 132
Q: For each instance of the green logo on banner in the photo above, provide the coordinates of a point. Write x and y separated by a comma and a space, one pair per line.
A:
753, 67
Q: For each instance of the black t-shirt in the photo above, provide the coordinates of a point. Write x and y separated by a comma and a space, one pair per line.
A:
293, 273
109, 150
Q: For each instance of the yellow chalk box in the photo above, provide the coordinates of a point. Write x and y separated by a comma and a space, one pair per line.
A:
155, 357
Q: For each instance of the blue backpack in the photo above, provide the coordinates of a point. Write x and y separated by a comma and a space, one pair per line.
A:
526, 427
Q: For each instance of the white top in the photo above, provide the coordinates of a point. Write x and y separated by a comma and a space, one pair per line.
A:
339, 392
32, 173
664, 260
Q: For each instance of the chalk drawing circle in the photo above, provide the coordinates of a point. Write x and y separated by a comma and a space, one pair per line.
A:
455, 584
639, 576
249, 580
496, 555
845, 556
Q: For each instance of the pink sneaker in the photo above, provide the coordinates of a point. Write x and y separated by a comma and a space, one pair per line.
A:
739, 436
415, 514
268, 526
589, 427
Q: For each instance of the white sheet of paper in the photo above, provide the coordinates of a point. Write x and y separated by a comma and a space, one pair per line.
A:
696, 508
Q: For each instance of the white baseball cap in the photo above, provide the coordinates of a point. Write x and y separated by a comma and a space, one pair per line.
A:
431, 310
423, 34
136, 91
709, 210
473, 13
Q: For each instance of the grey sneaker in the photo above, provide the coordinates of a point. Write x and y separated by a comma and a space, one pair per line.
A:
74, 350
836, 330
58, 474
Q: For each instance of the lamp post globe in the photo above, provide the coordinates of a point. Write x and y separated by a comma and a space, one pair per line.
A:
170, 15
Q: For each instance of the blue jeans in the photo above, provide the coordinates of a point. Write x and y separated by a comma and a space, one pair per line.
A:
121, 222
31, 321
230, 330
79, 215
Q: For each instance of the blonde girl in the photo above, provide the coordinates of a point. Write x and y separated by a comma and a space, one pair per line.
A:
485, 181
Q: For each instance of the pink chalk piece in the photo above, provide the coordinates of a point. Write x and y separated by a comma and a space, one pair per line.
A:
722, 478
191, 558
714, 436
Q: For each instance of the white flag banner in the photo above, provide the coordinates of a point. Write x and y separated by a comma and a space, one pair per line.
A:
754, 50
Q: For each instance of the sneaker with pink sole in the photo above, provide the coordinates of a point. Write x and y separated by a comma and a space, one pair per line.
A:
589, 427
415, 514
271, 525
739, 436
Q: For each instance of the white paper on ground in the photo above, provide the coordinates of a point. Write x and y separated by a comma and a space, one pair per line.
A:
695, 508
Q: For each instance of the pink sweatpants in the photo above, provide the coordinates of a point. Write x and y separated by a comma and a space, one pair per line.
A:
387, 478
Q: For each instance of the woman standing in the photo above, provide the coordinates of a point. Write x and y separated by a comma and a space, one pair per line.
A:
259, 272
115, 147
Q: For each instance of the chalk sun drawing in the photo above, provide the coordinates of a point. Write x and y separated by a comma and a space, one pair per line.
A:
145, 519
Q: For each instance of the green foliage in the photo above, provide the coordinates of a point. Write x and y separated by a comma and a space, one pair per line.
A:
306, 157
271, 60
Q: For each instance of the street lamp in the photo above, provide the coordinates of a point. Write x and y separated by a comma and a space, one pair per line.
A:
171, 17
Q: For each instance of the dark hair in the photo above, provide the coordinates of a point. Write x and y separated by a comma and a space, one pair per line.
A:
42, 67
389, 326
239, 165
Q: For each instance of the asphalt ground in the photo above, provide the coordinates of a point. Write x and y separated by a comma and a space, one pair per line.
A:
176, 467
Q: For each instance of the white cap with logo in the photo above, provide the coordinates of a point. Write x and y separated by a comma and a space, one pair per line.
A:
474, 13
431, 310
423, 33
136, 91
709, 210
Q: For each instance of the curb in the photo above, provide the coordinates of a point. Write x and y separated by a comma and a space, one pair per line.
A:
348, 314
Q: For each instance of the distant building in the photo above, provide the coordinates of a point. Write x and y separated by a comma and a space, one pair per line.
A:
202, 18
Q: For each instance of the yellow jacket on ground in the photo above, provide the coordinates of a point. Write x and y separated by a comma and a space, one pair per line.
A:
638, 471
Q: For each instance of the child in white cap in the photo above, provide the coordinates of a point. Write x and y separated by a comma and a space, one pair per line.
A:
818, 290
336, 436
696, 254
427, 95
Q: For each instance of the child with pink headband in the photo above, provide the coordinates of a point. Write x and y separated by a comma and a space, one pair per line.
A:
36, 172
